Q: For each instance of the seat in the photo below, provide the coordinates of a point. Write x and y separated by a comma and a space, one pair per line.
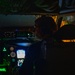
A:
66, 32
61, 55
60, 59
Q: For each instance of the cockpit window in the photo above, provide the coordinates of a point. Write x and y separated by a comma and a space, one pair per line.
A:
17, 20
68, 20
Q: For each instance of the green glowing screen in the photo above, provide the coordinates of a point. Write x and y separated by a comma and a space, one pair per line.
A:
2, 69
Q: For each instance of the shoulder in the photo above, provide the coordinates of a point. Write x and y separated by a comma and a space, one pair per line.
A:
35, 47
36, 44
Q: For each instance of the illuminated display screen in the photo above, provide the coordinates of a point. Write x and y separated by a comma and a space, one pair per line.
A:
21, 53
2, 69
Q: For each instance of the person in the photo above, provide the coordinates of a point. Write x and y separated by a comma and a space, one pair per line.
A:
34, 63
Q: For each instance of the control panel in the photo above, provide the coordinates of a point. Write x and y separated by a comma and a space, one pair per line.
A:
14, 44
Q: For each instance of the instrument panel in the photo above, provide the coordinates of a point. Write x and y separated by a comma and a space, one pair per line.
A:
14, 44
9, 34
12, 32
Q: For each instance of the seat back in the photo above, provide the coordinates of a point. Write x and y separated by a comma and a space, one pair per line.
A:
65, 32
60, 58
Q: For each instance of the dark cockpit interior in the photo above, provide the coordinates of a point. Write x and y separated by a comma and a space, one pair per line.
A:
17, 31
16, 35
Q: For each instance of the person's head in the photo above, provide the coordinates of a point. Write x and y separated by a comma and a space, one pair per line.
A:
45, 27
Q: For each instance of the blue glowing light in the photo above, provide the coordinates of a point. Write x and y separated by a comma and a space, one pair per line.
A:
24, 44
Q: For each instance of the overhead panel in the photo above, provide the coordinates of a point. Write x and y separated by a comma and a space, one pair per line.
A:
28, 6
